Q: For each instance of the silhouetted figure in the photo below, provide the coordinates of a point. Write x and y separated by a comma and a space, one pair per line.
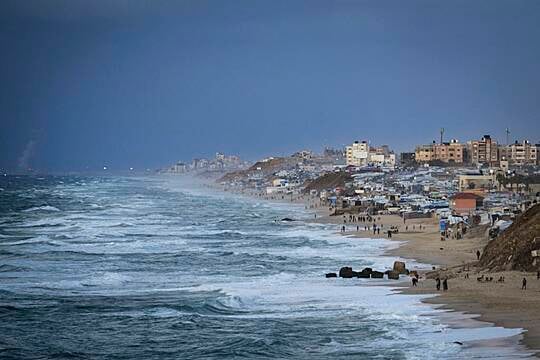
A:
537, 275
445, 284
524, 284
438, 283
477, 254
414, 281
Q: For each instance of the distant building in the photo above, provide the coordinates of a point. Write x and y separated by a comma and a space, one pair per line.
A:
465, 203
303, 154
407, 159
357, 153
361, 154
178, 168
450, 152
483, 151
522, 153
477, 182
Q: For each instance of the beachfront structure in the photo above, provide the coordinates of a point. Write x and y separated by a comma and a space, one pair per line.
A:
483, 151
465, 203
357, 153
449, 152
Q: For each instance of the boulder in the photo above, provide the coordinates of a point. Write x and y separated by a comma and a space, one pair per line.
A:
363, 275
331, 275
377, 275
399, 267
393, 275
367, 270
346, 272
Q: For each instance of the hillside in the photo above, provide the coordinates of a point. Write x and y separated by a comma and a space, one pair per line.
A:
262, 168
328, 181
512, 249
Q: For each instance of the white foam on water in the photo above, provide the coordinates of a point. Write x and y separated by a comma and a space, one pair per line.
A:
46, 208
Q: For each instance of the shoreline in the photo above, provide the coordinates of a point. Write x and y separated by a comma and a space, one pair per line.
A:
503, 305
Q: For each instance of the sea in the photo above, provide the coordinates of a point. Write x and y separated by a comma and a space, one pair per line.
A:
161, 267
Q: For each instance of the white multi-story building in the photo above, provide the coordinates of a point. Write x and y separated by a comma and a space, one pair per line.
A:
357, 154
361, 154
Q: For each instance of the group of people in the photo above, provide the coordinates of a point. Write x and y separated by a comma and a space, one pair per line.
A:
437, 280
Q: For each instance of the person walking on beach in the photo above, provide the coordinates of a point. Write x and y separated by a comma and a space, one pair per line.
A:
477, 254
538, 275
445, 284
414, 281
524, 284
438, 283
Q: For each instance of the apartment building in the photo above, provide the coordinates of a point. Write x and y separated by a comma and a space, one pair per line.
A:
483, 151
449, 152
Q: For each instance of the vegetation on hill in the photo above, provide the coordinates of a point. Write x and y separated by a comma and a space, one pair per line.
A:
512, 249
328, 181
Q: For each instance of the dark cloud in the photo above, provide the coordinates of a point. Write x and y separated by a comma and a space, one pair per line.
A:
144, 83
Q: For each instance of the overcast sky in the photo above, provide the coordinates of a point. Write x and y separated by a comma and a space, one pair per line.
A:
146, 83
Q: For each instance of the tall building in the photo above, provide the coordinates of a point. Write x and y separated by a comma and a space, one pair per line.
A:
450, 152
357, 153
522, 153
361, 154
483, 151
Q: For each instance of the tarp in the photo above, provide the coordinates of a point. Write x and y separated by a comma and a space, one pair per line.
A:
502, 224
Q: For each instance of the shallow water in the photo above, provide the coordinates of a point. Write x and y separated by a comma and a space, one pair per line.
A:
155, 268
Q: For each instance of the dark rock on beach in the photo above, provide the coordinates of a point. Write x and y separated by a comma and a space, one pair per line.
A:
331, 275
393, 275
347, 272
377, 275
367, 270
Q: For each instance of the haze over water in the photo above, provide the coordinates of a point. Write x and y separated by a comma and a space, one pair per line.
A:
154, 268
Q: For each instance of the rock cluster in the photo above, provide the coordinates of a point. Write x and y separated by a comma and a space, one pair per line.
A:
347, 272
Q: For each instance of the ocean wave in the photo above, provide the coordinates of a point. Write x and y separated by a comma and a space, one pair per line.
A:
45, 208
35, 240
121, 225
12, 268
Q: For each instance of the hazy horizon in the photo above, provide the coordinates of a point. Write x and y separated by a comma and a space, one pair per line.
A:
145, 84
